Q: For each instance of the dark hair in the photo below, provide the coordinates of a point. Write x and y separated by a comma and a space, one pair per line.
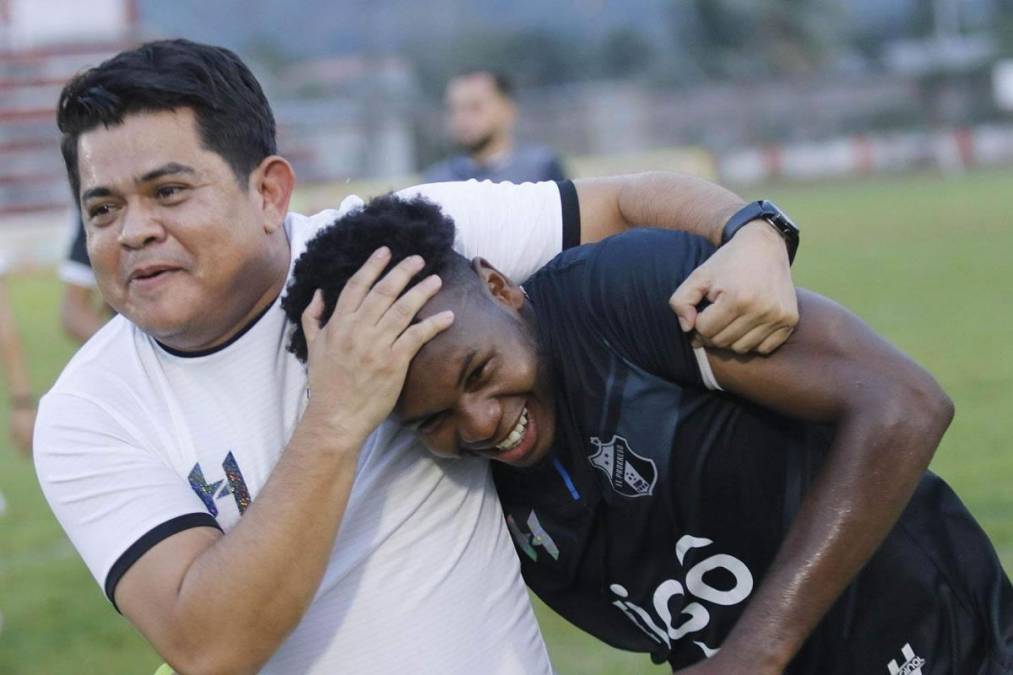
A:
501, 81
233, 116
407, 227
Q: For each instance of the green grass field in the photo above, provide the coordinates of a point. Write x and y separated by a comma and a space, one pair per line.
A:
925, 260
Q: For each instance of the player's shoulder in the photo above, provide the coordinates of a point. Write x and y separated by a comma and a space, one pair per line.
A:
629, 252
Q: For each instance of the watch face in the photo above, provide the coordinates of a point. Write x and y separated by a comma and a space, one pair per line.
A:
779, 219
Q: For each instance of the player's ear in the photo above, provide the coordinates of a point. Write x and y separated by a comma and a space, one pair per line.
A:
499, 286
271, 184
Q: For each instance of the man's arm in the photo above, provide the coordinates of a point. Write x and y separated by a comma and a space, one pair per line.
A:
270, 565
748, 281
82, 313
19, 388
889, 416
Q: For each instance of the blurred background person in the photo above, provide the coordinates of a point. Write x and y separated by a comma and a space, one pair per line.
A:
481, 116
15, 375
82, 310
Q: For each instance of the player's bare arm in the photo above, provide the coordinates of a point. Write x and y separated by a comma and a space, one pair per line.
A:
748, 281
889, 415
270, 565
82, 312
12, 361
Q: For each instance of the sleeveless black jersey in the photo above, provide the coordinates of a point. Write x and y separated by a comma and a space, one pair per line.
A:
663, 502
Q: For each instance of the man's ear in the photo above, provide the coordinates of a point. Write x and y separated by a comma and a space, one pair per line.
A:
271, 184
500, 287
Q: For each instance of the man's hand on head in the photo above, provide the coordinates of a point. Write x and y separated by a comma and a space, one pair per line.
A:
357, 361
753, 306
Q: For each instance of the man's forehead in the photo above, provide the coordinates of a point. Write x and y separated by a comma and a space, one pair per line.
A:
141, 144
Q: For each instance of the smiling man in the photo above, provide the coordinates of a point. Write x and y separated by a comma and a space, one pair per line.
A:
237, 523
771, 513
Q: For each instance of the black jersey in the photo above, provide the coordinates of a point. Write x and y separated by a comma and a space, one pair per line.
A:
663, 502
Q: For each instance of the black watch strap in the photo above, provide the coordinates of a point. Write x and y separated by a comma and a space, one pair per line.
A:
772, 214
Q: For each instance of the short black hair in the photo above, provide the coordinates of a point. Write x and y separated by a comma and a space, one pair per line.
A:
406, 226
233, 116
501, 81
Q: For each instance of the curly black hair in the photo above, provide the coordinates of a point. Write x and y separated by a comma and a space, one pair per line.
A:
407, 227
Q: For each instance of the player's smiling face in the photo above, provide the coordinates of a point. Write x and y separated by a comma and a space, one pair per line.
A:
179, 246
478, 388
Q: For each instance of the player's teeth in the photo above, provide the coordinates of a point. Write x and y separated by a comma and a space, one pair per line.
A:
515, 436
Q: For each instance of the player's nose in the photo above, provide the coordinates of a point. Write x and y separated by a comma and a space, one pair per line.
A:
479, 421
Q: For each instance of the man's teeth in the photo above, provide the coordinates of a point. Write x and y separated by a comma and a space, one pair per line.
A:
515, 436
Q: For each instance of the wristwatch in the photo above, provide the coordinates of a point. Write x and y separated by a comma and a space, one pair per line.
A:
767, 211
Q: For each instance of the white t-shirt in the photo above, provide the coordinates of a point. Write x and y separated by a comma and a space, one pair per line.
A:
135, 443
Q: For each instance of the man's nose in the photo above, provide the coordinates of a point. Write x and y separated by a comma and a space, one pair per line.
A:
139, 227
480, 419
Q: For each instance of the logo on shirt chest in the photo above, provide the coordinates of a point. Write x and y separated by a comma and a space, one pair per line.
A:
233, 484
629, 474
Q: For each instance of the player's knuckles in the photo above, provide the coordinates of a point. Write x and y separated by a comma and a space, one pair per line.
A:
747, 301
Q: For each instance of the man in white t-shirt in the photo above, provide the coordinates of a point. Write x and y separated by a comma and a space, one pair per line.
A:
244, 513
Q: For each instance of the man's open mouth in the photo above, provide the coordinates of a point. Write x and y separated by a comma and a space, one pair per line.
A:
516, 434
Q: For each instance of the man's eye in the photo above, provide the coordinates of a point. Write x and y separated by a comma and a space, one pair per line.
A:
476, 375
100, 213
168, 191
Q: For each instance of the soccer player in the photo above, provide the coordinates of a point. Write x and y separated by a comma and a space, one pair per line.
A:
15, 371
238, 523
690, 502
481, 115
82, 310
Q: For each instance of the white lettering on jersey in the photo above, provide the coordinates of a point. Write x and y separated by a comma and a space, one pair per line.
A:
694, 616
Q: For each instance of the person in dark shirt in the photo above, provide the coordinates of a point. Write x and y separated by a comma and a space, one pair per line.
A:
481, 115
771, 513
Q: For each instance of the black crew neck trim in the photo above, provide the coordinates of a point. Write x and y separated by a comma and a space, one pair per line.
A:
211, 350
571, 213
153, 536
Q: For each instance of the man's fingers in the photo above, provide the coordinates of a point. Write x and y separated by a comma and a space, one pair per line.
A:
398, 317
417, 335
751, 340
717, 317
727, 336
387, 290
775, 340
311, 317
690, 293
362, 281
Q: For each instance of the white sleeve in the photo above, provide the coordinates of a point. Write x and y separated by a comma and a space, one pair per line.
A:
114, 498
518, 228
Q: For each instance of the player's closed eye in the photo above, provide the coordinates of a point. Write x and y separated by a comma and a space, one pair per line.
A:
476, 376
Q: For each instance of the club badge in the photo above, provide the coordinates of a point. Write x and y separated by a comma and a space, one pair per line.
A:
630, 474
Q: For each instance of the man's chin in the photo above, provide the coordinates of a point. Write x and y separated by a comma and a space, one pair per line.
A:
475, 147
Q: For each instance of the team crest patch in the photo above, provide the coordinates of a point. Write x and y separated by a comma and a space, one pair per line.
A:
630, 474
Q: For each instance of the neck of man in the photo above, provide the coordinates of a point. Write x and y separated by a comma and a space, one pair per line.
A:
274, 270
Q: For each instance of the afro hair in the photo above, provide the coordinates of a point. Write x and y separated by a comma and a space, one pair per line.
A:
406, 226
